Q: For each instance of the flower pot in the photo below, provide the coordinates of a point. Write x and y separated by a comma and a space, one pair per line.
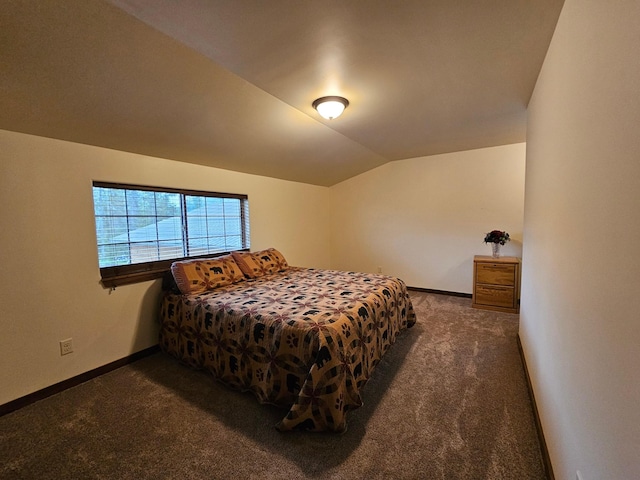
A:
495, 250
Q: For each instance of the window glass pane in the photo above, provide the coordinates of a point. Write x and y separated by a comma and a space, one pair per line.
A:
215, 207
143, 228
169, 204
109, 201
113, 255
169, 228
217, 244
171, 249
196, 226
144, 252
112, 230
234, 243
195, 205
232, 226
140, 202
198, 246
232, 206
215, 226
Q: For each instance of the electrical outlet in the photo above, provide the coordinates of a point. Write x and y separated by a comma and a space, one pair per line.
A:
379, 269
66, 346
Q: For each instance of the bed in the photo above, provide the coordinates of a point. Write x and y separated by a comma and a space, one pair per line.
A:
301, 338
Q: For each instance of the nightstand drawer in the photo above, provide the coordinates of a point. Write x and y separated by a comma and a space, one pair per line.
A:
496, 274
495, 296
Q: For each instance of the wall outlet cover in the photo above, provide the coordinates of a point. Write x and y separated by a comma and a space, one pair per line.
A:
66, 346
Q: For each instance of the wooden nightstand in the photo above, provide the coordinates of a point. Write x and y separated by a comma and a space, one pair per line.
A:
496, 283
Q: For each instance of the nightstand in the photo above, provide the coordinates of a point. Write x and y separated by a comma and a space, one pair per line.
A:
496, 283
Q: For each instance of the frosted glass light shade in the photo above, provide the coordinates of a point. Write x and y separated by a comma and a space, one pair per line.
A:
330, 107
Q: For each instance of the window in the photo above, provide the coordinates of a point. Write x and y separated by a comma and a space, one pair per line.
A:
142, 230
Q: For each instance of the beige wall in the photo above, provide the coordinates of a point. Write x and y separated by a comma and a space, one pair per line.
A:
424, 219
49, 282
580, 313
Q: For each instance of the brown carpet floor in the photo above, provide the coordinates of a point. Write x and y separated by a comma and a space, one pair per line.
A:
449, 401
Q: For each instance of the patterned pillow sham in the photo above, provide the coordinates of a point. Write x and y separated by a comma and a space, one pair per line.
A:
256, 264
197, 276
249, 264
272, 260
232, 268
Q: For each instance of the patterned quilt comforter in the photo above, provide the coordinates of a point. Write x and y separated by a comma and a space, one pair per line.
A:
303, 338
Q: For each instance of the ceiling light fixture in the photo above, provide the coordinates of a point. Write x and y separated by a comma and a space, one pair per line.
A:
330, 107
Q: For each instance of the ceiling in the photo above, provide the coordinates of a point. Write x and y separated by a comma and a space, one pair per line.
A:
229, 83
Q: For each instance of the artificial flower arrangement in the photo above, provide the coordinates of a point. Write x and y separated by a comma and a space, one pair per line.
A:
497, 236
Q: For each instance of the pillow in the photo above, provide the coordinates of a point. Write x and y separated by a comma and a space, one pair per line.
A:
250, 265
232, 268
272, 260
282, 263
256, 264
197, 276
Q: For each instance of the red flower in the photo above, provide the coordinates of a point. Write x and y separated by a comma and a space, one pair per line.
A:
497, 236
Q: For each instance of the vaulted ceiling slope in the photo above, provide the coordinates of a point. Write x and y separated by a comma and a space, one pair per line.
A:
229, 83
